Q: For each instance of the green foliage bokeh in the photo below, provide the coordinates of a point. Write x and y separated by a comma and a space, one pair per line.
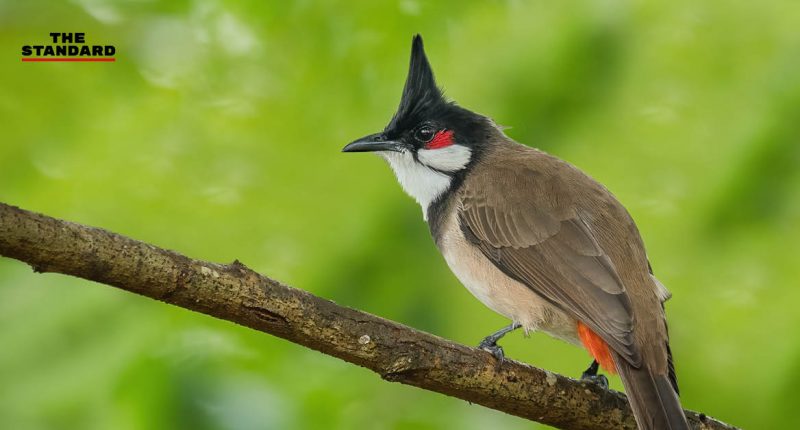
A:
217, 134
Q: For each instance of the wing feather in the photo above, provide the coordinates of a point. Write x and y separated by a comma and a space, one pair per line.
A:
550, 248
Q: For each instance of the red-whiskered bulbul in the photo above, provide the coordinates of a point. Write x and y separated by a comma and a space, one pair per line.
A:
534, 239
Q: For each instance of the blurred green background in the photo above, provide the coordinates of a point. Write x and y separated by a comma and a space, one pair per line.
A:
217, 134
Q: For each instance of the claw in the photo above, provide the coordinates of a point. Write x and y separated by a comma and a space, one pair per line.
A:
494, 348
600, 380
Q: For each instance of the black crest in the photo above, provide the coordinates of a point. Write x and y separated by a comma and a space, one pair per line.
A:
421, 96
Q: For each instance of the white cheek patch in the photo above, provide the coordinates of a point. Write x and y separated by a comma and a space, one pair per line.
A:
448, 159
419, 181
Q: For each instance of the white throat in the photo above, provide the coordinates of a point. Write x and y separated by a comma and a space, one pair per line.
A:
423, 180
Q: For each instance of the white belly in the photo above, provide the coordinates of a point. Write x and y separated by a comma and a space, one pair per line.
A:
501, 293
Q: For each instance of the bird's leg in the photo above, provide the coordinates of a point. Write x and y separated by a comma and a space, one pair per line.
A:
489, 343
590, 374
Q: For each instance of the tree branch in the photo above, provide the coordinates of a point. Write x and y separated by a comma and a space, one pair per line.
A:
235, 293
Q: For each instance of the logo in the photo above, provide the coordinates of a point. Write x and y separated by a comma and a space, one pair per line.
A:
68, 47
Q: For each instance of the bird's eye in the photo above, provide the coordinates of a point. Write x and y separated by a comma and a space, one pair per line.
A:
424, 134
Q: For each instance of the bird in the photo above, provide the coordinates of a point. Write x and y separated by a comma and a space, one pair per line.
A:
535, 239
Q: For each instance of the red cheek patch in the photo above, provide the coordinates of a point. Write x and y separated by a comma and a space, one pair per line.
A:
441, 139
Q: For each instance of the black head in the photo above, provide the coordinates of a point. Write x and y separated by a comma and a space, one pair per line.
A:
425, 120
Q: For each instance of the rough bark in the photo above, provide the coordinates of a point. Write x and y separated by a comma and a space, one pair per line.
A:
235, 293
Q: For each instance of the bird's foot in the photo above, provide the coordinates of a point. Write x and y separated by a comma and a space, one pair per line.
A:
591, 375
490, 344
600, 380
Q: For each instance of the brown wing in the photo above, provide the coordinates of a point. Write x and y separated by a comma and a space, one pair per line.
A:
547, 244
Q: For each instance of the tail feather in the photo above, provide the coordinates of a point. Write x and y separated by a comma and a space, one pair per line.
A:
653, 399
673, 378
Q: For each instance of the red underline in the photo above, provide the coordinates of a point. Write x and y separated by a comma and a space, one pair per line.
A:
70, 59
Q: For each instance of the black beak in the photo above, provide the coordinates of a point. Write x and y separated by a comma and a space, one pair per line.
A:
374, 142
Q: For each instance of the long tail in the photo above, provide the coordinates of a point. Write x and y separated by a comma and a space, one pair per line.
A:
653, 398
